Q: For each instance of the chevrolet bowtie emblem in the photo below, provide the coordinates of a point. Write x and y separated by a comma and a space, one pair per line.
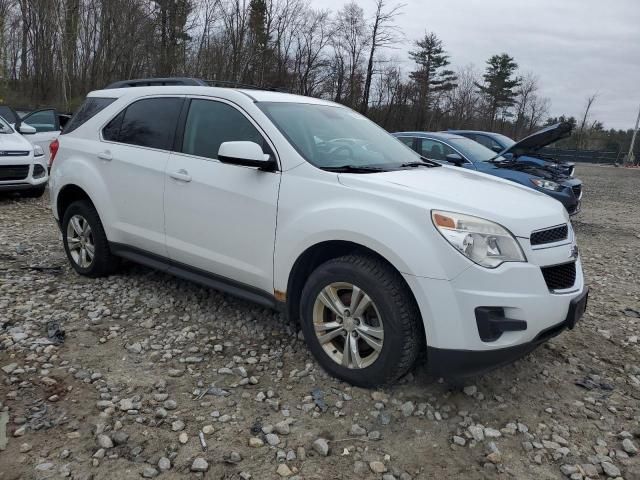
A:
574, 252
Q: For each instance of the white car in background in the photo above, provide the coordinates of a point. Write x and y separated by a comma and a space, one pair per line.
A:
47, 124
23, 166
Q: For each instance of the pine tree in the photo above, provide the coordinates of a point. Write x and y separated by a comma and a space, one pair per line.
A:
500, 84
431, 75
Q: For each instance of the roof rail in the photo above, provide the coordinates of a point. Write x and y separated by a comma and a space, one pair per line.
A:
186, 81
233, 84
151, 82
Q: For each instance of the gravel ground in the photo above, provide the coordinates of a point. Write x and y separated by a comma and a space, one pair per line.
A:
151, 363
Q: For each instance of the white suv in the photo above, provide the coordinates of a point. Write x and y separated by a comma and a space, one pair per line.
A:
306, 206
23, 167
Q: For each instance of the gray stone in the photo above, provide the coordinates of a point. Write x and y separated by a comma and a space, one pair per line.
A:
199, 465
164, 464
149, 472
321, 446
629, 447
272, 439
357, 430
610, 469
104, 441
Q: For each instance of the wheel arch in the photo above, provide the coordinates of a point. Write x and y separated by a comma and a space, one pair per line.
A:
319, 253
67, 195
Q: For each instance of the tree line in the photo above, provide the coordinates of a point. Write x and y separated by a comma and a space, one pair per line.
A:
54, 51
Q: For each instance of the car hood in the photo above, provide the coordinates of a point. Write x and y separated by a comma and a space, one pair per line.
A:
541, 138
543, 169
13, 141
518, 208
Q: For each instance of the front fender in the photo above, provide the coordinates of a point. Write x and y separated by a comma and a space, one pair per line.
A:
313, 211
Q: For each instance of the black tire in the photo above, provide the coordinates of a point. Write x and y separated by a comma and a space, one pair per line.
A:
36, 192
103, 262
403, 330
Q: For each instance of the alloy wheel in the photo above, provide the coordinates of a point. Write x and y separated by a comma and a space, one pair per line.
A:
348, 325
80, 241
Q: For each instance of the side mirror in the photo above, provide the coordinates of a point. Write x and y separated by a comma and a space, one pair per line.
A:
246, 154
455, 158
26, 129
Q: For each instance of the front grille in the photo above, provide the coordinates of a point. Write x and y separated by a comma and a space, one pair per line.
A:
577, 190
559, 277
13, 172
14, 153
550, 235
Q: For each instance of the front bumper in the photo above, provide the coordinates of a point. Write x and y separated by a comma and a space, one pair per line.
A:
461, 363
29, 181
516, 292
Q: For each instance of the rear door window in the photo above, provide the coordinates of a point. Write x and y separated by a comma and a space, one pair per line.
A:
150, 122
89, 108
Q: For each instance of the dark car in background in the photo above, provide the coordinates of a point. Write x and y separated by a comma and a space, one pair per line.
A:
446, 147
527, 150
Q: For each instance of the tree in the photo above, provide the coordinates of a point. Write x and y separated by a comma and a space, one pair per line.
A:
384, 33
500, 83
580, 140
431, 75
350, 41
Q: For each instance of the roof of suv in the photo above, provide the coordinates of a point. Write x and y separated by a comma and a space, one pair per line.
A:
255, 95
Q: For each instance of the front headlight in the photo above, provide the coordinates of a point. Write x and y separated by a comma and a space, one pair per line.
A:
546, 184
481, 241
37, 151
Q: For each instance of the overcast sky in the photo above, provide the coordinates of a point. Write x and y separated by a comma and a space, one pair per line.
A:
576, 47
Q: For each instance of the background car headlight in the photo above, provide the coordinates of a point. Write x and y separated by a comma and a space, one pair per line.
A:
481, 241
37, 151
546, 184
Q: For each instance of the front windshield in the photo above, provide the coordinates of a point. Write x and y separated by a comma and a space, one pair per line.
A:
4, 126
332, 136
472, 150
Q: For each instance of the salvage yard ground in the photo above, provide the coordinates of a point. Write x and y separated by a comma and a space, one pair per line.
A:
126, 394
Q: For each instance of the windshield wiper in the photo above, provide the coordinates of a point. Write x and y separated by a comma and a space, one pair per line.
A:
424, 163
354, 169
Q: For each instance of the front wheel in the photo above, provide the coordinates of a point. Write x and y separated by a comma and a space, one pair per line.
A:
360, 320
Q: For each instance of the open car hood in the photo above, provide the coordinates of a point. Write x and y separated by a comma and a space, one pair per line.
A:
541, 138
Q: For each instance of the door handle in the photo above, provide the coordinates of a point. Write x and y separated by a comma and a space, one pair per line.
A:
105, 156
181, 175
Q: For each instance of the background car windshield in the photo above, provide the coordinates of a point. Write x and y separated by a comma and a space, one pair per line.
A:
504, 140
328, 136
472, 150
4, 126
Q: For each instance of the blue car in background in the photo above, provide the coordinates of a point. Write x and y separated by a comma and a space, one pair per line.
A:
446, 147
528, 149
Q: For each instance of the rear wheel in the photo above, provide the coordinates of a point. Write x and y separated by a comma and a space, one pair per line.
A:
85, 241
360, 321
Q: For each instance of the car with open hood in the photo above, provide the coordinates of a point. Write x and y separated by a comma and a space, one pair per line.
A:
446, 147
307, 207
527, 150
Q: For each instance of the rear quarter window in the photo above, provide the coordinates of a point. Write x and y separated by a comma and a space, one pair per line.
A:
90, 107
